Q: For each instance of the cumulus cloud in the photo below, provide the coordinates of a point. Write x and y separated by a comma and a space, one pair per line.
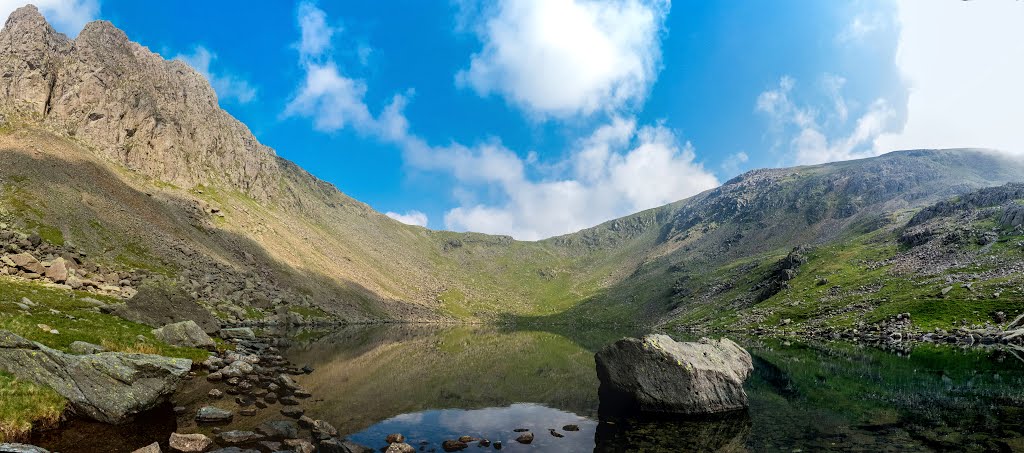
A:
66, 16
962, 63
316, 32
809, 141
226, 85
567, 57
330, 99
618, 169
409, 218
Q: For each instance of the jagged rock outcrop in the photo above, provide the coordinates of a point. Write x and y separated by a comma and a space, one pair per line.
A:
987, 197
658, 374
1013, 216
785, 270
158, 117
109, 387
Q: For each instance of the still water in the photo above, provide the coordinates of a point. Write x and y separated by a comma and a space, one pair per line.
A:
433, 384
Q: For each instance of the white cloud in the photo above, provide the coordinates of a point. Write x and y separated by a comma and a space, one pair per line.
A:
316, 32
66, 16
734, 163
964, 64
227, 86
566, 57
409, 218
808, 138
331, 99
616, 171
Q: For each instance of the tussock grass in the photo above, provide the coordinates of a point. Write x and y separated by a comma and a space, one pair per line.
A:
23, 405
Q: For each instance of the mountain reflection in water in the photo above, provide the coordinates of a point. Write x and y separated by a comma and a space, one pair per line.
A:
433, 384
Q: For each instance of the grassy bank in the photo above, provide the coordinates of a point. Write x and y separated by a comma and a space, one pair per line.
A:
74, 316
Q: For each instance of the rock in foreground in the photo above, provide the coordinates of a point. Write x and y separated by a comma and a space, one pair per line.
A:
658, 374
109, 387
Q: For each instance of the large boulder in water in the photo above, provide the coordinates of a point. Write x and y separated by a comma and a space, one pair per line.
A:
160, 303
109, 387
658, 374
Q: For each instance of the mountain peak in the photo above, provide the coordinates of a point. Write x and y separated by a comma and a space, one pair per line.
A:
26, 30
136, 108
27, 15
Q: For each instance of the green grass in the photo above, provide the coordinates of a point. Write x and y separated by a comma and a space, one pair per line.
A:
24, 404
254, 313
88, 325
849, 266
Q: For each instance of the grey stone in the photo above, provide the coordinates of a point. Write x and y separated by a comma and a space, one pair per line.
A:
211, 414
279, 429
110, 387
185, 333
81, 347
238, 437
239, 333
658, 374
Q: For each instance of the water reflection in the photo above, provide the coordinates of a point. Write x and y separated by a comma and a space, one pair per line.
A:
435, 384
430, 428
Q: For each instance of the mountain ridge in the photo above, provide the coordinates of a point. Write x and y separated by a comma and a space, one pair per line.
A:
183, 182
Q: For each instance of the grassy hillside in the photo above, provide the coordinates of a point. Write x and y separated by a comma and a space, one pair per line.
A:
693, 257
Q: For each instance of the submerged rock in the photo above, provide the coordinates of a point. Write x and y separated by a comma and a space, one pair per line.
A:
21, 448
525, 438
185, 333
109, 387
454, 445
211, 414
658, 374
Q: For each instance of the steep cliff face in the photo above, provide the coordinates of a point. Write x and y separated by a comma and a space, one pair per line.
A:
157, 117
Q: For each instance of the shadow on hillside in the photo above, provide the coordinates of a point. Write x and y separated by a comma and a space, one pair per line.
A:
106, 217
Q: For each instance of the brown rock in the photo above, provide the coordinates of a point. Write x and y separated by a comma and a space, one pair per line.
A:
190, 443
58, 271
28, 263
525, 438
151, 448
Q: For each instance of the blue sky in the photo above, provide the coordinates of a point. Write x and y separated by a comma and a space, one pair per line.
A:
536, 118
